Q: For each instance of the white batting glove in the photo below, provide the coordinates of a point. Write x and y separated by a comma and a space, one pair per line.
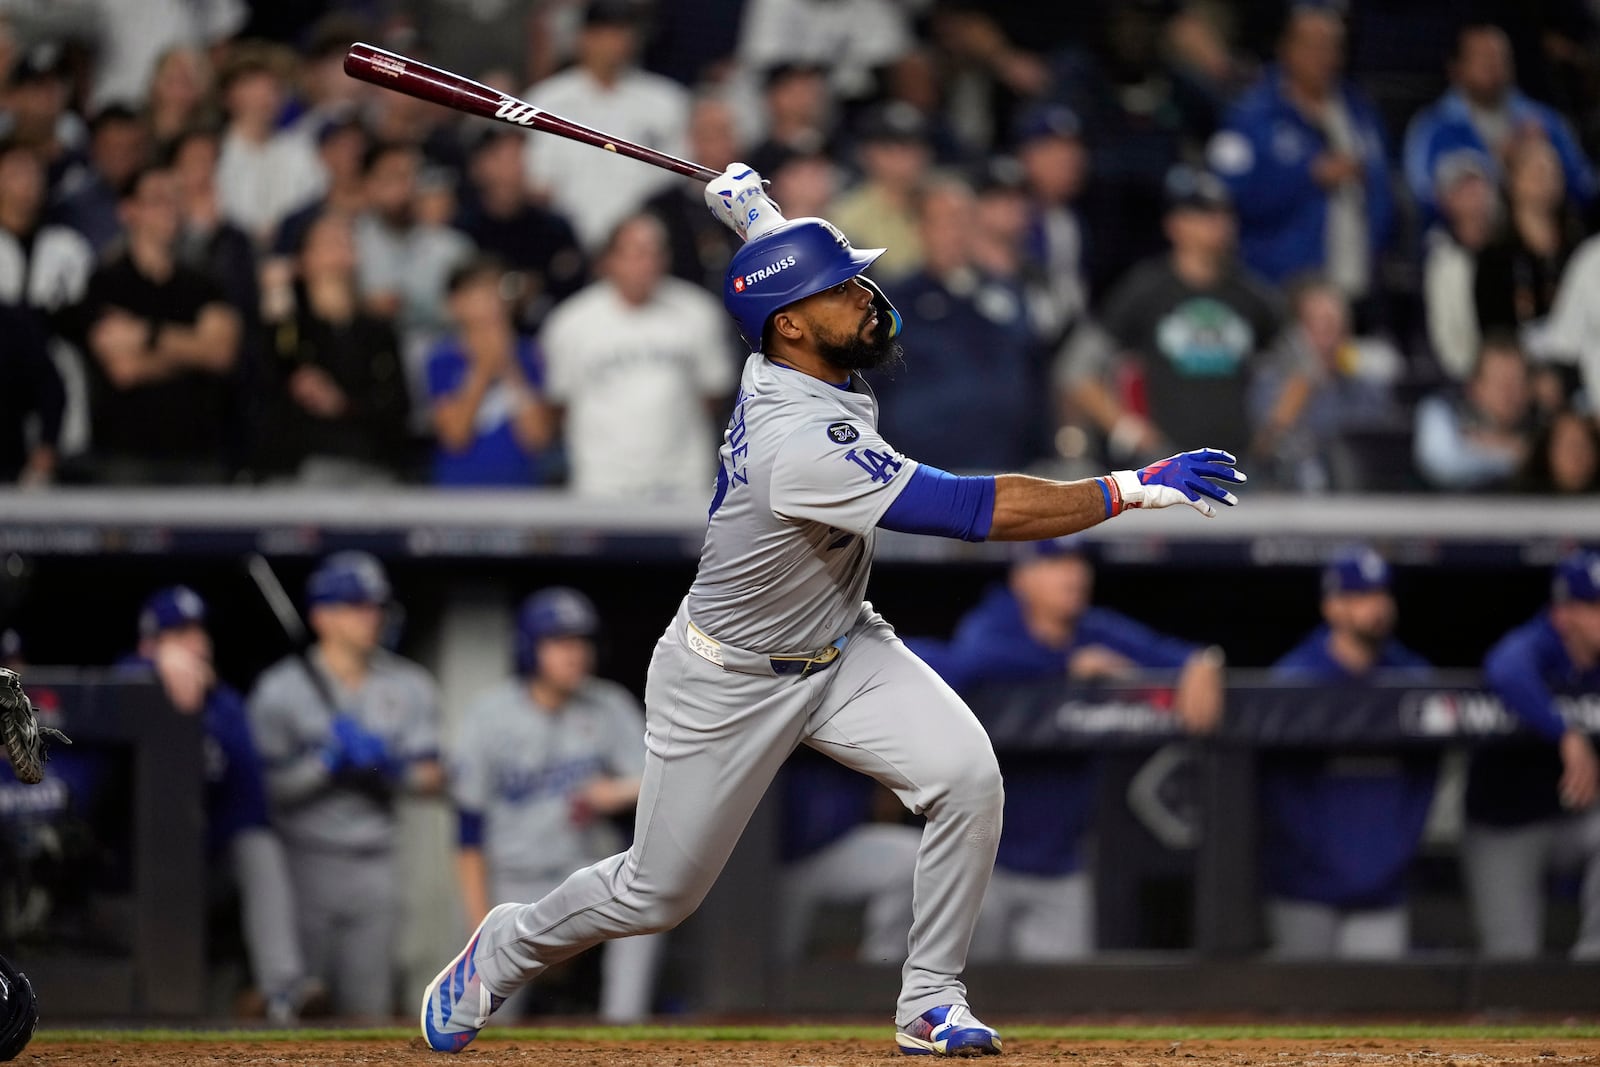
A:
738, 198
1182, 479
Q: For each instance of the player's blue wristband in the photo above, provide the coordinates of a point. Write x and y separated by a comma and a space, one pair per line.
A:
946, 505
469, 829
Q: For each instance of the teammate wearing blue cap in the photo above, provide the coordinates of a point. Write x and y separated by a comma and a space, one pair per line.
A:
175, 643
546, 757
1042, 624
342, 731
775, 647
1532, 807
1339, 829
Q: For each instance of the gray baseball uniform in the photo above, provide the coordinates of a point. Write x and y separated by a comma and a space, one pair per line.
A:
340, 839
517, 765
804, 479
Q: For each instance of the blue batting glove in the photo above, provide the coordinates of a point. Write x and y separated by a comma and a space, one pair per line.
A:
1182, 479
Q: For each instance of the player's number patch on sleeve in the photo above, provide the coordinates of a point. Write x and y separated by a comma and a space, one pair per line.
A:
880, 466
842, 433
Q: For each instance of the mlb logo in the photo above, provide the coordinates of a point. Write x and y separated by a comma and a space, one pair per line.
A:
738, 285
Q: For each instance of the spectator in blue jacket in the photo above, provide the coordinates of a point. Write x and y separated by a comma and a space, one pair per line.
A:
1339, 829
1483, 111
1041, 625
1303, 153
1532, 807
975, 397
175, 644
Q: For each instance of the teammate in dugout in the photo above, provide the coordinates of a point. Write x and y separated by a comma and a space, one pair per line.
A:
175, 644
342, 731
1534, 807
1042, 624
1339, 829
547, 757
774, 647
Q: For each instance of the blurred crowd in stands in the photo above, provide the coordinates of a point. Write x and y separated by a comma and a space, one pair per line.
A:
1350, 243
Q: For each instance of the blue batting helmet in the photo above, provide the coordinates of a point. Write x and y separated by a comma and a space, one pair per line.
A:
554, 612
801, 258
348, 578
167, 609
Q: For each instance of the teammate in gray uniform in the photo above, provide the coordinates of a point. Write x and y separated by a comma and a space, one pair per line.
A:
774, 646
341, 732
546, 757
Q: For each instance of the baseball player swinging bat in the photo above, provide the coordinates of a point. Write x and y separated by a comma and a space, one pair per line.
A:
736, 196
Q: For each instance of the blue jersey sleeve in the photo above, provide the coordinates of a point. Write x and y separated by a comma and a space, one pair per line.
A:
446, 369
1515, 670
531, 360
469, 828
943, 504
1133, 640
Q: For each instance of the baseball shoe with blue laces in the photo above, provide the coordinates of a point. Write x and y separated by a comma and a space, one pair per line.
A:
457, 1004
948, 1030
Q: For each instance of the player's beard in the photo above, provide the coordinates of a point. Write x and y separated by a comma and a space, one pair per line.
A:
858, 352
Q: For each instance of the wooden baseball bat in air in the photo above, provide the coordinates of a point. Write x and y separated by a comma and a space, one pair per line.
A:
405, 75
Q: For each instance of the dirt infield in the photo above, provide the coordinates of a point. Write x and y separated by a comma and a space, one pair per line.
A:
1357, 1052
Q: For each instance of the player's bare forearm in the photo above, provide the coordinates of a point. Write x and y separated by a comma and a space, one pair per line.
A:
473, 875
1035, 509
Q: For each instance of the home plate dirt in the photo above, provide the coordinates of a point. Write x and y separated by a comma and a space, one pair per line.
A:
1357, 1052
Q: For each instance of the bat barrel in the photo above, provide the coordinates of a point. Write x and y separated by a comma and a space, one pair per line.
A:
379, 66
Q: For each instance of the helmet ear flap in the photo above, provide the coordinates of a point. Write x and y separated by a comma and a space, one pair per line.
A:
886, 310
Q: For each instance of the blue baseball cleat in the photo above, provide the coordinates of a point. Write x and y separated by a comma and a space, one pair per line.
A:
948, 1030
456, 1004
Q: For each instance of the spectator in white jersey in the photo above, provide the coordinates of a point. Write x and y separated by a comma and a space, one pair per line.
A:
542, 765
605, 90
264, 173
343, 731
637, 363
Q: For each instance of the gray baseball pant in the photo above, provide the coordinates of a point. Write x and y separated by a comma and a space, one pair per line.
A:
1304, 929
348, 907
627, 969
267, 907
1036, 918
716, 738
1506, 868
873, 865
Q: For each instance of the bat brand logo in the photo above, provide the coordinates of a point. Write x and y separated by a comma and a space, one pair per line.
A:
516, 111
765, 272
389, 66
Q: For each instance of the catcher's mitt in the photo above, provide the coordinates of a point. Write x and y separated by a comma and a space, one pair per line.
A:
23, 736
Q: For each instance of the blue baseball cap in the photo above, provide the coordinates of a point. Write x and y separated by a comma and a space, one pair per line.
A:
170, 608
1049, 120
1577, 577
1355, 570
348, 578
1052, 548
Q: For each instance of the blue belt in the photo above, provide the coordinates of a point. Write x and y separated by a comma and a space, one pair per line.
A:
804, 665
